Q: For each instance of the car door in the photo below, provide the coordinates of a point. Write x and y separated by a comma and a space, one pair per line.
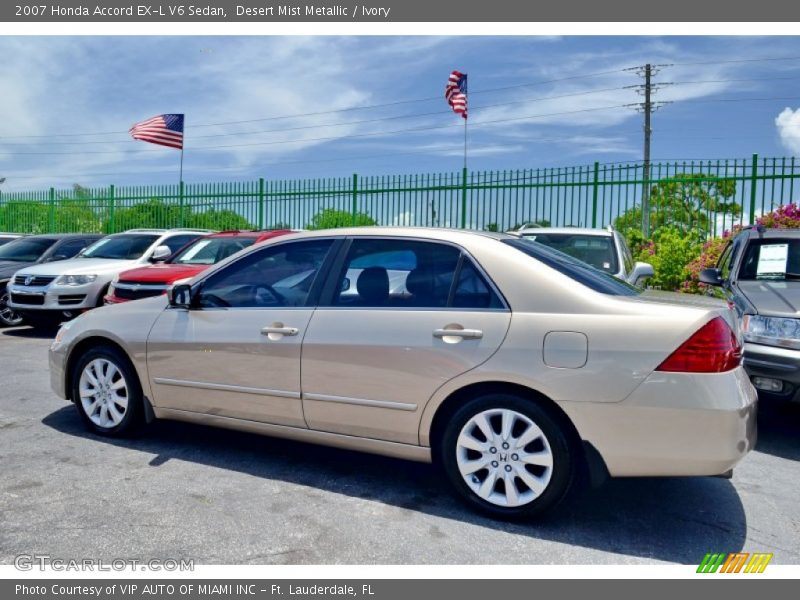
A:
236, 352
398, 318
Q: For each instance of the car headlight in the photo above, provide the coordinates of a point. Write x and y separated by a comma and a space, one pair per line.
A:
75, 279
775, 331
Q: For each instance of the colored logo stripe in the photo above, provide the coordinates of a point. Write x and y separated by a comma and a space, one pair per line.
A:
734, 562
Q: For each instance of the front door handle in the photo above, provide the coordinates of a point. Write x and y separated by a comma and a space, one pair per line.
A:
277, 330
464, 334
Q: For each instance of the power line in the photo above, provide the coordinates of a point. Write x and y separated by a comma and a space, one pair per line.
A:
349, 109
430, 98
343, 137
442, 112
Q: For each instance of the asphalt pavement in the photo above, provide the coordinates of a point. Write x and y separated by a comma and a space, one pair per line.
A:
183, 491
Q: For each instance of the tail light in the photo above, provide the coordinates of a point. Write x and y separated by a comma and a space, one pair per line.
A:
712, 349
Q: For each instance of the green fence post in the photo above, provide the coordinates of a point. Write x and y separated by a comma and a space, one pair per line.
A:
180, 214
595, 187
111, 203
261, 200
753, 182
51, 221
355, 197
464, 198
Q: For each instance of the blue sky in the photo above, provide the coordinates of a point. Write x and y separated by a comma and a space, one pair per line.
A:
237, 91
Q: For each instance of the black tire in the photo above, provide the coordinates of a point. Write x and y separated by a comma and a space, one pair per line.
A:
8, 318
562, 473
132, 417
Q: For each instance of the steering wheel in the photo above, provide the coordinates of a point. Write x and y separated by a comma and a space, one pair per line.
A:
279, 298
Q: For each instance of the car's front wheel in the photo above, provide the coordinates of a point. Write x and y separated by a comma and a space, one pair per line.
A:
106, 391
507, 456
8, 317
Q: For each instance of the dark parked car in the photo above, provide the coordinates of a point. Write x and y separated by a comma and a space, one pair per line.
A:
760, 273
34, 250
5, 238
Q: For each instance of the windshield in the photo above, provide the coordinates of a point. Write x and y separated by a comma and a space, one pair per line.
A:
121, 247
595, 250
25, 249
208, 251
595, 279
775, 259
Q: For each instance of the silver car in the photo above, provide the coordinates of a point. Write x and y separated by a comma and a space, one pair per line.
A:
53, 292
514, 367
604, 249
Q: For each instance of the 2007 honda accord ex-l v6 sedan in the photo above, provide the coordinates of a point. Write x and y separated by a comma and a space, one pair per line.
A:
513, 366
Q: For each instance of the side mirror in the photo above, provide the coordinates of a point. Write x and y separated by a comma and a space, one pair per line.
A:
345, 284
642, 271
180, 295
161, 253
711, 276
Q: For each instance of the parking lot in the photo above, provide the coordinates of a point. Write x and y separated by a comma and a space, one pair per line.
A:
185, 491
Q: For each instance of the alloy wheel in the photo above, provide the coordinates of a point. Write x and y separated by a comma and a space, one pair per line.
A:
103, 393
8, 316
504, 457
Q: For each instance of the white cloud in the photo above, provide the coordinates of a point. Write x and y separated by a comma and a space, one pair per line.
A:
788, 124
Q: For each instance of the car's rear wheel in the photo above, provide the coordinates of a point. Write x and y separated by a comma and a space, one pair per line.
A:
507, 456
8, 317
107, 392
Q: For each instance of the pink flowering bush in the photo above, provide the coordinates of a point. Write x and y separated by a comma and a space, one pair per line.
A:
783, 217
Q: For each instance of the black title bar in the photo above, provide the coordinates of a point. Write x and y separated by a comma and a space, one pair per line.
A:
264, 11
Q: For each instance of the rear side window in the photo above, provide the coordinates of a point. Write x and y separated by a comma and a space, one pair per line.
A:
399, 273
594, 279
176, 242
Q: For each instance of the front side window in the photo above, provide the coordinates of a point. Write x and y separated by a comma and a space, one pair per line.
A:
276, 276
209, 251
68, 249
127, 246
176, 242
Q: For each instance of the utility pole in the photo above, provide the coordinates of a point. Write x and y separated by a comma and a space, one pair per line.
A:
648, 107
648, 130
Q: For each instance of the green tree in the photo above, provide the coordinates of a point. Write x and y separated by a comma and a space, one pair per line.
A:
73, 211
687, 201
330, 218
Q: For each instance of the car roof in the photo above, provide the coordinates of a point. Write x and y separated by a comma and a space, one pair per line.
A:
433, 233
566, 230
754, 232
247, 233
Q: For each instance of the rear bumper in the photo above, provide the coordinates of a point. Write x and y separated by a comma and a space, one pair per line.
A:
673, 424
773, 362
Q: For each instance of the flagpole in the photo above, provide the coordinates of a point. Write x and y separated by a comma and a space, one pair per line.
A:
465, 143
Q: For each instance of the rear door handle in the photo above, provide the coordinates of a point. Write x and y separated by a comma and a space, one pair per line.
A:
279, 330
466, 334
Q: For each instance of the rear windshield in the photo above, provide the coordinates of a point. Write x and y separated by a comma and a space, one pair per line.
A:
594, 279
121, 247
774, 259
25, 249
597, 250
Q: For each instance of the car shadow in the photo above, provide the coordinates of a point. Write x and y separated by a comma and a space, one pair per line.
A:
779, 429
33, 333
675, 519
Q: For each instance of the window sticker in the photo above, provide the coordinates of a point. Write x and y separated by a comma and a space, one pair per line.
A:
772, 259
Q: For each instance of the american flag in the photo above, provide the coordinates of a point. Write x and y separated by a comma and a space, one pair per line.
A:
165, 130
456, 93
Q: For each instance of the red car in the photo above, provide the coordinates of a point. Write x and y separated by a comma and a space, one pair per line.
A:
190, 260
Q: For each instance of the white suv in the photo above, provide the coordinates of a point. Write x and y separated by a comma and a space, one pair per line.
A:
50, 293
604, 249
